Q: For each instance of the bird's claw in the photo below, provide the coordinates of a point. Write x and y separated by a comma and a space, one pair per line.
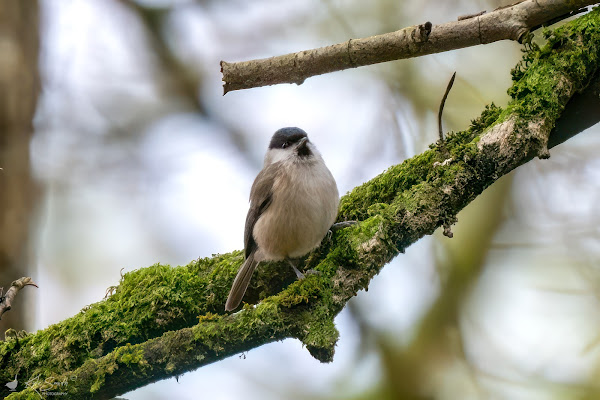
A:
341, 225
313, 272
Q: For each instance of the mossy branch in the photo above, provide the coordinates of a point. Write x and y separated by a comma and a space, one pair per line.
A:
512, 22
161, 321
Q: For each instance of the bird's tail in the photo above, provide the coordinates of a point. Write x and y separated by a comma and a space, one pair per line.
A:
240, 283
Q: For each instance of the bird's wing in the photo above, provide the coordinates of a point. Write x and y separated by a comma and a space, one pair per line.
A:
260, 198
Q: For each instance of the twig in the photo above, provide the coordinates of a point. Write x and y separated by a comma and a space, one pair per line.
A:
441, 110
506, 23
7, 299
463, 17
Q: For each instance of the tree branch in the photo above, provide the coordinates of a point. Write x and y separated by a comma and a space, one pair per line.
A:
7, 299
162, 321
504, 23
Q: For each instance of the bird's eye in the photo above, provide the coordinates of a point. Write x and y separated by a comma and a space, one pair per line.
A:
285, 144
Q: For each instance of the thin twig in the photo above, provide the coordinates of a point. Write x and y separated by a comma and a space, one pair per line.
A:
463, 17
441, 110
7, 299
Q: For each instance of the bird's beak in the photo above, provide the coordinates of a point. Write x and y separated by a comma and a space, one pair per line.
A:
302, 149
302, 142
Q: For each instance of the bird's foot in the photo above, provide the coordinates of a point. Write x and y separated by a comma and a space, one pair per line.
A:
299, 274
341, 225
313, 272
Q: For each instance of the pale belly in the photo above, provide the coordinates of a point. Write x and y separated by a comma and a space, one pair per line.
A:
299, 218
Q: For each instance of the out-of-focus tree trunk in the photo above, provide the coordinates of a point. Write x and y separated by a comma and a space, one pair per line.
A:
19, 88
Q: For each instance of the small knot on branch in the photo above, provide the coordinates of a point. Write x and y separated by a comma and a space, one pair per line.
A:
21, 283
421, 34
320, 337
448, 231
544, 153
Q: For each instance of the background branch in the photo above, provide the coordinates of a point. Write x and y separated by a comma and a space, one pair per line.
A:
504, 23
7, 299
164, 321
19, 191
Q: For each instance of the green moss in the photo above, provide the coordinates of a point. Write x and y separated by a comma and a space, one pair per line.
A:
540, 80
302, 292
383, 188
539, 92
124, 355
456, 140
321, 335
147, 302
27, 394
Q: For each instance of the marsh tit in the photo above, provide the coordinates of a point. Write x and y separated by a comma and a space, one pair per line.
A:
293, 203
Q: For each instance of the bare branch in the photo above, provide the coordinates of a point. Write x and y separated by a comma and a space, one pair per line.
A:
508, 23
7, 299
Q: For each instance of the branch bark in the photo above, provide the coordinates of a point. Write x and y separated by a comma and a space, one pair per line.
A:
504, 23
162, 321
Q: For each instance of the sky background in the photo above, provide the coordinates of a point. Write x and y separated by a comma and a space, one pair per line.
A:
137, 171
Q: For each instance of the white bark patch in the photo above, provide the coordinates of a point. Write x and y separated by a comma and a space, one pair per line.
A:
499, 136
371, 244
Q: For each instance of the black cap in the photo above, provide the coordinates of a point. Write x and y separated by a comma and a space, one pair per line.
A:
285, 137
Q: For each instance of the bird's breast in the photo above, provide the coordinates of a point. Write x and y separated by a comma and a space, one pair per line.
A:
304, 206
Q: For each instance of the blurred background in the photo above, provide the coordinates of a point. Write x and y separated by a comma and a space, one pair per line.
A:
135, 157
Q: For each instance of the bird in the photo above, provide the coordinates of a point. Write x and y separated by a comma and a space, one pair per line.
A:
12, 385
294, 202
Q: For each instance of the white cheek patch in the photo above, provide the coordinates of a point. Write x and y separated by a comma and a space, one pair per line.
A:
276, 155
